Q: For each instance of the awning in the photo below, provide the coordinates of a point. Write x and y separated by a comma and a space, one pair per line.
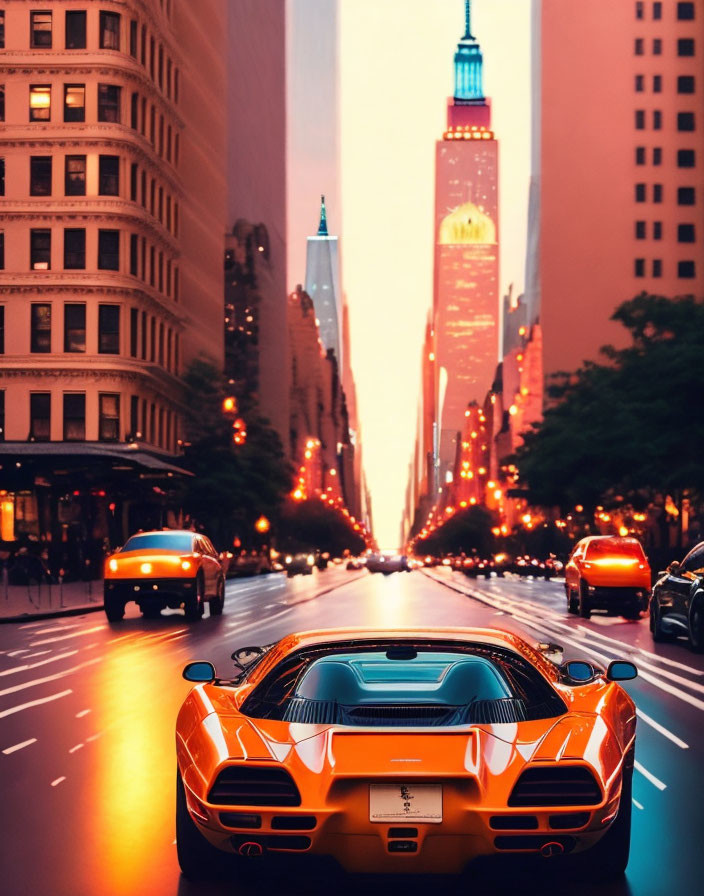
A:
119, 455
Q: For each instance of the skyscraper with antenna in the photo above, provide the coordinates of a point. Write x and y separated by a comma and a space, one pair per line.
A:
323, 284
466, 269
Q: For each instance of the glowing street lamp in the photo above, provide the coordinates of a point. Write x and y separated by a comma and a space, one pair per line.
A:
262, 525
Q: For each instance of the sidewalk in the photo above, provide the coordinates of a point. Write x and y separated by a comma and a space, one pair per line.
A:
21, 602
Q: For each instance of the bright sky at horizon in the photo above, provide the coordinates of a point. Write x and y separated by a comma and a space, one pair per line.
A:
396, 70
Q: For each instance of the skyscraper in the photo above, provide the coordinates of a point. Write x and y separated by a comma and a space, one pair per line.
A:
620, 137
323, 284
466, 293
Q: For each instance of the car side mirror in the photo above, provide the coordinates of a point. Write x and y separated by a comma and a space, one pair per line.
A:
578, 672
199, 671
673, 568
621, 670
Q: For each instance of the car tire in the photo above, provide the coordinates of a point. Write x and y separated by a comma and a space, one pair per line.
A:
151, 612
585, 610
660, 636
218, 602
572, 602
609, 858
193, 604
114, 608
199, 859
696, 624
632, 614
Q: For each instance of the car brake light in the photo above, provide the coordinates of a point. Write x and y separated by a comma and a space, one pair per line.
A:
112, 565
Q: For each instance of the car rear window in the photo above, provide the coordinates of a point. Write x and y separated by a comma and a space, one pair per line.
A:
615, 547
165, 541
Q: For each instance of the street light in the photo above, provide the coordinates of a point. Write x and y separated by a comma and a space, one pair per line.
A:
262, 525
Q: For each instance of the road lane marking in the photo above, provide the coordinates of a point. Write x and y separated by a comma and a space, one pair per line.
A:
94, 737
649, 775
18, 652
36, 681
52, 659
55, 628
58, 780
637, 804
83, 712
38, 653
25, 743
648, 653
32, 625
662, 730
88, 631
77, 747
14, 709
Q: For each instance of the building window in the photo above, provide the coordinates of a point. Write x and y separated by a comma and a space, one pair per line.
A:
2, 176
2, 102
133, 181
133, 39
75, 176
109, 31
640, 267
686, 270
686, 196
657, 230
40, 30
40, 336
640, 85
686, 158
75, 30
640, 119
2, 415
685, 12
109, 329
686, 233
40, 416
134, 334
74, 327
109, 417
685, 46
2, 250
2, 29
657, 46
657, 83
40, 250
657, 192
134, 111
685, 84
657, 119
74, 102
109, 176
638, 46
74, 416
2, 329
109, 102
641, 193
685, 121
657, 10
657, 155
40, 102
134, 253
640, 10
657, 267
134, 417
109, 250
40, 175
640, 230
74, 249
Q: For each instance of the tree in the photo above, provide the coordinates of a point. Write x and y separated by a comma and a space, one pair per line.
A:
630, 427
468, 531
313, 525
232, 484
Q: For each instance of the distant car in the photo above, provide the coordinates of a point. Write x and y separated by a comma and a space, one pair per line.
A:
168, 568
607, 572
405, 752
388, 563
677, 601
356, 563
245, 563
299, 564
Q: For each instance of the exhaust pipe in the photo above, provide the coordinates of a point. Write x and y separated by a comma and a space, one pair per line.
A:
250, 849
548, 850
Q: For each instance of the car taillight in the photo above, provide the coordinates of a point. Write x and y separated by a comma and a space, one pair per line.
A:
112, 565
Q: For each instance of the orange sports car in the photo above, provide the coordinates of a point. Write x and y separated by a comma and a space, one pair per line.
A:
607, 572
405, 751
166, 568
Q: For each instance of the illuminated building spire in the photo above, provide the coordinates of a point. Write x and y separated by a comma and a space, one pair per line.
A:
323, 226
468, 64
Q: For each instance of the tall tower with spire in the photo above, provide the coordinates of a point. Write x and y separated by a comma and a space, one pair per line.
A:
466, 275
323, 284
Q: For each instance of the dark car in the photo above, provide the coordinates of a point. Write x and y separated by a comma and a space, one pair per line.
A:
677, 600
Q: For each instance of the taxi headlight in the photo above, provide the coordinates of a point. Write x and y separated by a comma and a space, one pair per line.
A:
112, 565
310, 559
185, 564
145, 568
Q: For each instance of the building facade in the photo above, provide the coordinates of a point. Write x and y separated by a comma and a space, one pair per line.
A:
113, 160
621, 159
466, 273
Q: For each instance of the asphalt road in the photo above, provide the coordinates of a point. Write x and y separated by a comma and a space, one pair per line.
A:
87, 711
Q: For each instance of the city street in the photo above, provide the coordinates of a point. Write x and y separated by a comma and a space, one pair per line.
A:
87, 713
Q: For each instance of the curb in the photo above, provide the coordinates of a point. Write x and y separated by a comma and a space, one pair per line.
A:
52, 614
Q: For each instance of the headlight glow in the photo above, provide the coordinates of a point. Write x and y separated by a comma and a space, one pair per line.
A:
112, 565
145, 568
185, 564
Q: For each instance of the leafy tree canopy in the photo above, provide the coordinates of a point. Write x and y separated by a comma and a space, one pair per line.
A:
468, 531
632, 425
313, 525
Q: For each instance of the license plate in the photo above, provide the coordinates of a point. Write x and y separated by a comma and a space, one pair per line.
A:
405, 802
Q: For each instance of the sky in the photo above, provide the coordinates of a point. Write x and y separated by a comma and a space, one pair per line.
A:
396, 72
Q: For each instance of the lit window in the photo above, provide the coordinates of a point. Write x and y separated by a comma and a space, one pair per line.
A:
40, 30
40, 250
40, 102
74, 102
